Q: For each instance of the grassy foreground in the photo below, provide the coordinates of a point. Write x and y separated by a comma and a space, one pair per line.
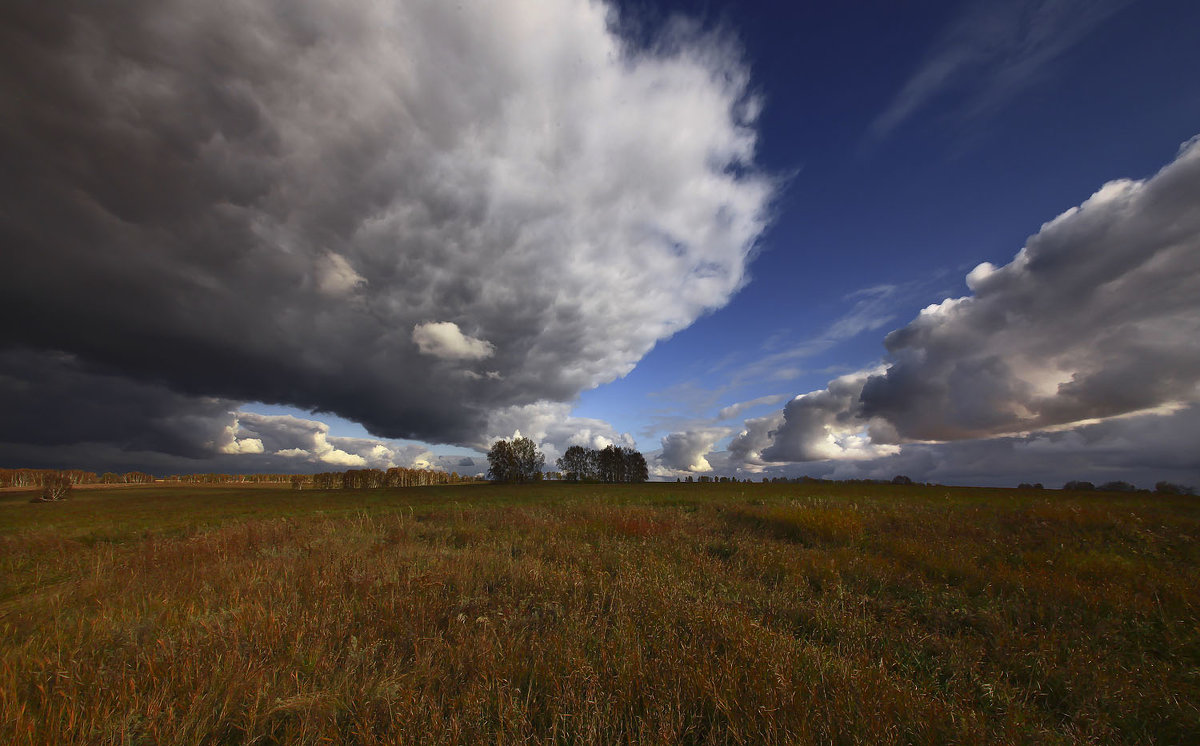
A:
599, 614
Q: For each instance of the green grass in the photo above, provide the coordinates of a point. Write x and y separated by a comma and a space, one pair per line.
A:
600, 614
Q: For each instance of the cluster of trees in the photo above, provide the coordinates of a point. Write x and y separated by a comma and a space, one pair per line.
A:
519, 460
373, 479
42, 477
1161, 488
514, 461
611, 464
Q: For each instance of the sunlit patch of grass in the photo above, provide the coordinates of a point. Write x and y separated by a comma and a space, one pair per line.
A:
590, 614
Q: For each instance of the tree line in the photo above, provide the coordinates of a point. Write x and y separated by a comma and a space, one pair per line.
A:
42, 477
59, 481
1161, 488
371, 479
519, 460
611, 464
216, 478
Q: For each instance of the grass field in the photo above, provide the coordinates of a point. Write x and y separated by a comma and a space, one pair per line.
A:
591, 614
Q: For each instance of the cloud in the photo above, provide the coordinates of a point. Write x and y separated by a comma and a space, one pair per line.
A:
309, 441
445, 340
733, 410
826, 424
1096, 317
1140, 449
992, 52
240, 445
686, 451
51, 399
745, 450
61, 412
335, 276
241, 202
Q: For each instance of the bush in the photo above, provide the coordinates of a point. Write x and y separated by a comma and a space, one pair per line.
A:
54, 488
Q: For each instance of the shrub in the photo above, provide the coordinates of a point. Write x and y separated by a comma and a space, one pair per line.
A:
54, 488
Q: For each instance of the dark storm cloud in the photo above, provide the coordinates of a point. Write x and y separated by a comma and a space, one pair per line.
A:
59, 411
1098, 316
411, 214
52, 400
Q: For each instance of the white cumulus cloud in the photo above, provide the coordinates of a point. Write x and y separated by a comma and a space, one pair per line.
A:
1096, 317
688, 451
445, 340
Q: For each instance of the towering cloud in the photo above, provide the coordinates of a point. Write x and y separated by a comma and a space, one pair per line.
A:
1096, 317
688, 451
412, 214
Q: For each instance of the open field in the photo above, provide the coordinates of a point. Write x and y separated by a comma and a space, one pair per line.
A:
597, 614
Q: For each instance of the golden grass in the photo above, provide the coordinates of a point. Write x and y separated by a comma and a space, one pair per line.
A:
598, 614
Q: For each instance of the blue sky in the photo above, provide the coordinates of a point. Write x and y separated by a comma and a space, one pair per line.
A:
649, 223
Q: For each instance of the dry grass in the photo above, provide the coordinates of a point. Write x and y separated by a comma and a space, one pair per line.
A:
598, 615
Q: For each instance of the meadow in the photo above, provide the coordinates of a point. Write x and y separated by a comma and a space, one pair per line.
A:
600, 614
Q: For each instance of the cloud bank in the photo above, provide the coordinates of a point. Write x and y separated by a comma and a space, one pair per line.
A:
1096, 317
1141, 449
61, 412
412, 214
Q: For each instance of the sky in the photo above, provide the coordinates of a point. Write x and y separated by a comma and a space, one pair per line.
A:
958, 241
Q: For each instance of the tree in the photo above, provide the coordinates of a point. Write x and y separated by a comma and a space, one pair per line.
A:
635, 466
575, 464
516, 460
611, 465
54, 488
1078, 486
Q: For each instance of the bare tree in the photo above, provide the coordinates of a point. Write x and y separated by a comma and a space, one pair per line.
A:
54, 488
